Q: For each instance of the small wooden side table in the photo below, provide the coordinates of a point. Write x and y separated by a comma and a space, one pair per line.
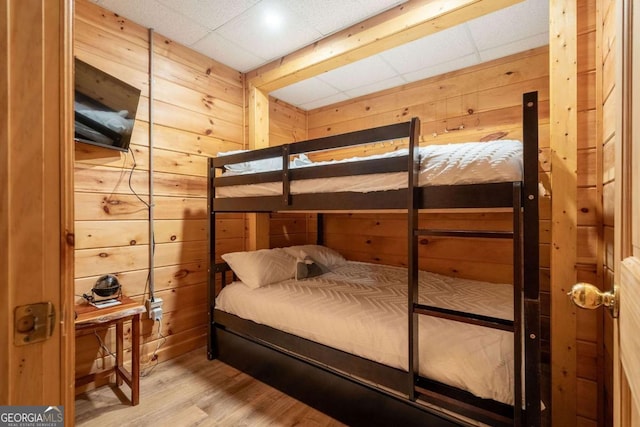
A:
89, 316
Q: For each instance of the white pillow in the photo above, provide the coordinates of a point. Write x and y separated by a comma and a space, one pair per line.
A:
264, 165
300, 161
261, 267
321, 254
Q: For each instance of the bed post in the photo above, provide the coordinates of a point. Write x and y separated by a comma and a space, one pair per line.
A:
286, 179
413, 199
320, 229
211, 281
531, 259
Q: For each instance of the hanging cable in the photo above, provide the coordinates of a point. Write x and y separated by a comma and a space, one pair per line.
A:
146, 371
151, 197
131, 176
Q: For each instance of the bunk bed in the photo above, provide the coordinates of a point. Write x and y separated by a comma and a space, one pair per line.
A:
322, 374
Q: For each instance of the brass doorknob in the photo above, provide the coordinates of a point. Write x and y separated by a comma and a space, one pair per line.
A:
585, 295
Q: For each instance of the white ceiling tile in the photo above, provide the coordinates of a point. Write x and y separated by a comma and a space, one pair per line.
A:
222, 50
456, 64
329, 16
515, 47
320, 14
251, 31
374, 7
209, 14
305, 91
513, 23
443, 46
376, 87
152, 14
359, 73
338, 97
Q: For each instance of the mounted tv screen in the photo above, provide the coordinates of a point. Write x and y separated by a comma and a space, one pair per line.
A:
105, 108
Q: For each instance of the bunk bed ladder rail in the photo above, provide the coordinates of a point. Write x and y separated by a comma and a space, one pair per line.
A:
493, 413
526, 324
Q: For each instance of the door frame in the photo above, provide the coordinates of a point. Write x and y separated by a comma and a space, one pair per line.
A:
628, 46
37, 199
67, 236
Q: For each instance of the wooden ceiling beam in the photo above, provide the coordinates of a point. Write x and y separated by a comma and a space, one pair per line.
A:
402, 24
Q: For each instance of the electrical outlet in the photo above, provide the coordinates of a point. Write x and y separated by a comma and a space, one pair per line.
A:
154, 309
156, 314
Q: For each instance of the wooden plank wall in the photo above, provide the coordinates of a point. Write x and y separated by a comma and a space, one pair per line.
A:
589, 221
198, 111
581, 403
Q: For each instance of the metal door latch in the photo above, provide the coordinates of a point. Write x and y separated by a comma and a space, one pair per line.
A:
33, 322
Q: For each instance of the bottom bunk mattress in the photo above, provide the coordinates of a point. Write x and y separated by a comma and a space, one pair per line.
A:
361, 308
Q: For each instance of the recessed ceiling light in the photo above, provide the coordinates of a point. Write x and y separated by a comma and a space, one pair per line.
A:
273, 20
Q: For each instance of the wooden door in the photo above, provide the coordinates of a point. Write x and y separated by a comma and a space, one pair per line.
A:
36, 203
627, 242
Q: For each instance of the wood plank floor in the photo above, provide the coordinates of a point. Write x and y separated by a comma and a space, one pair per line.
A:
193, 391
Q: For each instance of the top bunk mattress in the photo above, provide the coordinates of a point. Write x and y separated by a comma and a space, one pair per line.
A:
450, 164
361, 308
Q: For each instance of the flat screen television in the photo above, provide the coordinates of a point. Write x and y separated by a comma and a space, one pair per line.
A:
105, 108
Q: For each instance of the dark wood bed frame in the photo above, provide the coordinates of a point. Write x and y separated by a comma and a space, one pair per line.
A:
352, 389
